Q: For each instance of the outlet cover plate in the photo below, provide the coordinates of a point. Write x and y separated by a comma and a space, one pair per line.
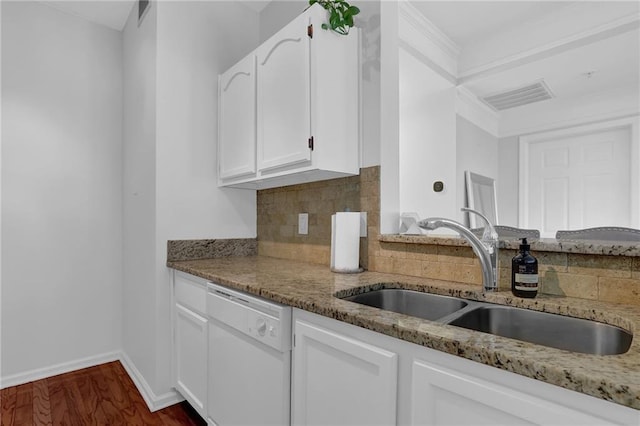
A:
303, 223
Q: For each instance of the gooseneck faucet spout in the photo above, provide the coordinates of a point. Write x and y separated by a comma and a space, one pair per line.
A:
484, 251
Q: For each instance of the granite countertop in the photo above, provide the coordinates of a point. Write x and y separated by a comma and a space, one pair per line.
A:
597, 247
312, 287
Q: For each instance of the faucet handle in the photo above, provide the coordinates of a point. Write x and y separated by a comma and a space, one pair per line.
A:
489, 233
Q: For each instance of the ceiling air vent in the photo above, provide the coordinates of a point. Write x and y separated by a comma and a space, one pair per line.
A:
143, 7
538, 91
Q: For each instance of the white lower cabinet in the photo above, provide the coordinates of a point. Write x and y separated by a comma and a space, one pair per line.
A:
346, 375
343, 374
441, 396
339, 380
190, 340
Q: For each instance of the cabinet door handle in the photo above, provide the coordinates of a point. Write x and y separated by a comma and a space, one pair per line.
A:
311, 143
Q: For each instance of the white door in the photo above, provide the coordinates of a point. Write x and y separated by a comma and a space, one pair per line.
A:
284, 98
249, 382
577, 181
237, 120
191, 357
440, 396
338, 380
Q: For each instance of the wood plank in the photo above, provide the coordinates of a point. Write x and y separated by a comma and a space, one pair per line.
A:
24, 405
126, 395
110, 401
60, 414
98, 395
41, 406
180, 414
8, 400
141, 408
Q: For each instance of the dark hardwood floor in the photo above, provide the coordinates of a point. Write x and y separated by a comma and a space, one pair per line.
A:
101, 395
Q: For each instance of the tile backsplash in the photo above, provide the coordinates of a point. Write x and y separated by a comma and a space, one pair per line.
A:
278, 210
587, 276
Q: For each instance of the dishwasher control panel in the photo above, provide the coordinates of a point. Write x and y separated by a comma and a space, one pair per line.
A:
263, 320
264, 328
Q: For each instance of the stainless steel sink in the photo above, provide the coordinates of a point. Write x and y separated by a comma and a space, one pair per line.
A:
423, 305
556, 331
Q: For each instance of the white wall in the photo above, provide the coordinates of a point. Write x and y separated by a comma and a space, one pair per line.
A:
476, 151
171, 67
276, 15
427, 145
196, 41
508, 181
61, 177
368, 20
139, 192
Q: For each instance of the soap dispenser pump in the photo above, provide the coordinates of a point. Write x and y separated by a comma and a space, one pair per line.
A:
524, 272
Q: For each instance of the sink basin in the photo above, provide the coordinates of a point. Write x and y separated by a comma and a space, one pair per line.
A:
423, 305
556, 331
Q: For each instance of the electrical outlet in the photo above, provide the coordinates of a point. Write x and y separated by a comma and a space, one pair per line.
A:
363, 224
303, 223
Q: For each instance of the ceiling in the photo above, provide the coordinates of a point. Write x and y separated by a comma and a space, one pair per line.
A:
114, 13
110, 13
496, 32
577, 47
466, 21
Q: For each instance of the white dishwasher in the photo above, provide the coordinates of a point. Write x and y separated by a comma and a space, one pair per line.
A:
249, 359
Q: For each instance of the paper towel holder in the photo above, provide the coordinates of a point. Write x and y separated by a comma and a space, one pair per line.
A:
345, 243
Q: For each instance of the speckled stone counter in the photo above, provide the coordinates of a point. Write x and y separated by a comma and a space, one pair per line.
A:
608, 248
209, 249
312, 288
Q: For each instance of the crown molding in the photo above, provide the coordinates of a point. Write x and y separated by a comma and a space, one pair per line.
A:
414, 17
477, 112
425, 37
601, 32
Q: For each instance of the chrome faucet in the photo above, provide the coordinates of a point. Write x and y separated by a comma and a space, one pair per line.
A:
486, 249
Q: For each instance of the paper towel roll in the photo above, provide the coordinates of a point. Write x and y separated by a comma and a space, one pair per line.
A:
345, 242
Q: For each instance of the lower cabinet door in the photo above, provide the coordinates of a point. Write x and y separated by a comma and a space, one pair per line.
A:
440, 396
338, 380
191, 357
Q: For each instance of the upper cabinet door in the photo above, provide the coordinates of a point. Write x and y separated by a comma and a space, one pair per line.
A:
284, 115
237, 120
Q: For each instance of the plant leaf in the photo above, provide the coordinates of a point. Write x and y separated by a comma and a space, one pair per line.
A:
349, 21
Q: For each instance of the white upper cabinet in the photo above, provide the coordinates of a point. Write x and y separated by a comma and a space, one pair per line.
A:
284, 116
306, 109
237, 121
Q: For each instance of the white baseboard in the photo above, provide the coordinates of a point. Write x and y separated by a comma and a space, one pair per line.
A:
54, 370
154, 402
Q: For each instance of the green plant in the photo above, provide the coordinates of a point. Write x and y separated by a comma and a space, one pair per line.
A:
341, 15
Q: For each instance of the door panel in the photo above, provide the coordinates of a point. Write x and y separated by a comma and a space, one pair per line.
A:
340, 380
579, 181
284, 98
191, 357
237, 134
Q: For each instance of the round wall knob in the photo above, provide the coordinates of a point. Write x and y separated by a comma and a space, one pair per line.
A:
261, 326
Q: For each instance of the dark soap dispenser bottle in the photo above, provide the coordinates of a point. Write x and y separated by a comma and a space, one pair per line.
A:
524, 272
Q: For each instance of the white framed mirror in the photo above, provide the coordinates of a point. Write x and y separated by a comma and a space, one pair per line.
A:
481, 196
